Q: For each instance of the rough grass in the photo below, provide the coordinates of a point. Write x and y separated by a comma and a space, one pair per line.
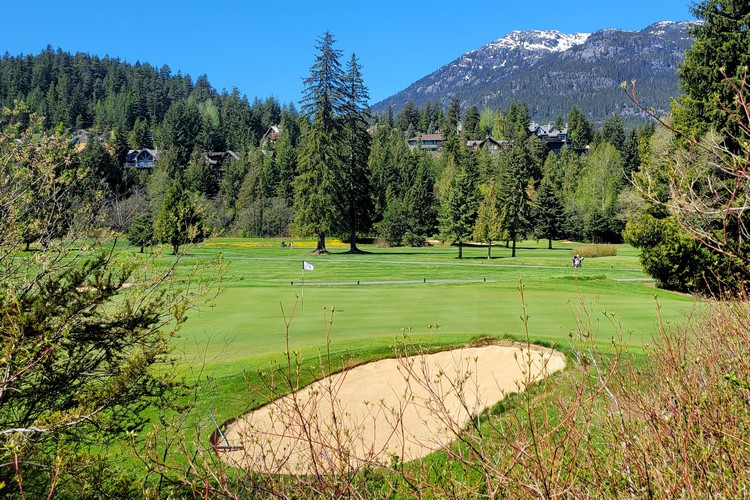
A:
593, 251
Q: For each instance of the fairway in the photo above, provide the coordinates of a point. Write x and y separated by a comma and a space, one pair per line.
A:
424, 291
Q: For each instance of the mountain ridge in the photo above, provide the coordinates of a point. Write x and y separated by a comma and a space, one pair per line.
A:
551, 71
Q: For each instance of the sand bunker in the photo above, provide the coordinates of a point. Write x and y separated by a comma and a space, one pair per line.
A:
370, 414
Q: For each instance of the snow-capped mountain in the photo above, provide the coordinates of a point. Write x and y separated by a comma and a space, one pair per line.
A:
551, 72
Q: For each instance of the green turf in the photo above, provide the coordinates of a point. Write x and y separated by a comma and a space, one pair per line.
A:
244, 332
400, 288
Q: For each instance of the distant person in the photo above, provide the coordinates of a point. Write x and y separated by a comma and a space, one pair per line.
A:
576, 261
283, 244
291, 244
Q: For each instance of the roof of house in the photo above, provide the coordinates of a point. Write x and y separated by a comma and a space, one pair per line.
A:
219, 157
140, 152
548, 130
428, 137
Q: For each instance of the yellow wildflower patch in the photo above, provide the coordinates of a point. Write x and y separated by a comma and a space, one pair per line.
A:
269, 244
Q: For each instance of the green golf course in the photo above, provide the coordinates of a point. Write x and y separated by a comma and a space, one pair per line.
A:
379, 295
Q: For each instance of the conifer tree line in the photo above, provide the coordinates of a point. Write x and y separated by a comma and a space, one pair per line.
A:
333, 169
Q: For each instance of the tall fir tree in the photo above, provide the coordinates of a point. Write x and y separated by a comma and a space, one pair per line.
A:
318, 185
356, 150
515, 208
580, 130
549, 211
471, 128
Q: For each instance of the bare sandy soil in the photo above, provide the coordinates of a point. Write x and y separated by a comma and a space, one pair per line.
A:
404, 407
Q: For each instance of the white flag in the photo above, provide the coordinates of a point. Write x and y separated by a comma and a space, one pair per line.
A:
307, 266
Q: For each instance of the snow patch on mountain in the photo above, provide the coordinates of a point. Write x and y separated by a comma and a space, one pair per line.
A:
533, 40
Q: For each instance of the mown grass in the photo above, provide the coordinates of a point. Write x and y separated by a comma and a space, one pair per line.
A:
425, 292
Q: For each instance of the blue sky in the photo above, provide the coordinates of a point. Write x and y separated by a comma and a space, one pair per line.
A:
265, 48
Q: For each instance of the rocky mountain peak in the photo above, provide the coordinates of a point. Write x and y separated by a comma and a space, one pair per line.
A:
549, 40
552, 71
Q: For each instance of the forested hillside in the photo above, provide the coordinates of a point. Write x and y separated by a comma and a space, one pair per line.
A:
104, 94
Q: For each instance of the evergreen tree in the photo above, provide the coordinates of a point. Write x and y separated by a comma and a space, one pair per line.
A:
518, 119
452, 117
179, 222
141, 230
356, 153
515, 207
630, 155
140, 136
408, 119
459, 210
285, 156
580, 130
471, 130
201, 176
549, 213
103, 167
178, 135
388, 154
426, 120
613, 132
419, 200
720, 51
318, 186
487, 227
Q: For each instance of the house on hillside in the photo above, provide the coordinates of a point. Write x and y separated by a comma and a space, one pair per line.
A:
268, 141
555, 138
217, 158
271, 135
81, 138
490, 143
428, 142
142, 159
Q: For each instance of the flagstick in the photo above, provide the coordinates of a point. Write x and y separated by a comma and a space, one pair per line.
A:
303, 287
